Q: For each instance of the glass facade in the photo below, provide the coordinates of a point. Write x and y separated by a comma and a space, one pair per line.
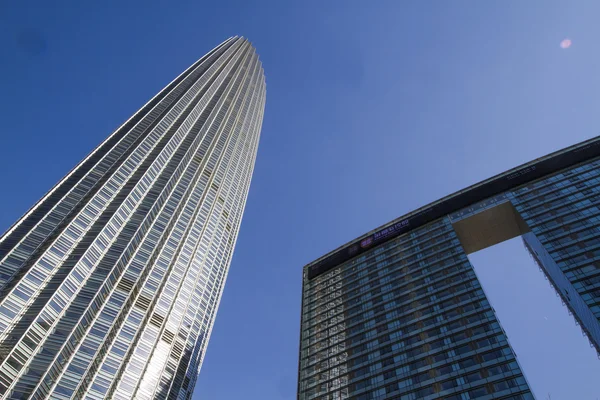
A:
110, 284
563, 212
407, 319
400, 314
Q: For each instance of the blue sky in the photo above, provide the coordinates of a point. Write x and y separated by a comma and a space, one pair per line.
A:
373, 109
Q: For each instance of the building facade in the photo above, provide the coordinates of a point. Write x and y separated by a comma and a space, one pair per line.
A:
109, 285
399, 312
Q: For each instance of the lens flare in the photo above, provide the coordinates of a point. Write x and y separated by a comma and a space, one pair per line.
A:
565, 44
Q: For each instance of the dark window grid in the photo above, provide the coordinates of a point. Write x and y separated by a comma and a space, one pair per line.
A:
591, 296
581, 262
572, 249
579, 168
360, 319
507, 385
578, 265
560, 177
563, 207
550, 187
385, 339
439, 270
588, 206
415, 267
412, 264
523, 395
406, 239
405, 287
419, 380
565, 223
476, 330
572, 238
367, 292
409, 302
590, 281
368, 268
456, 289
428, 363
393, 268
570, 241
568, 226
569, 214
388, 349
554, 242
502, 370
552, 225
584, 207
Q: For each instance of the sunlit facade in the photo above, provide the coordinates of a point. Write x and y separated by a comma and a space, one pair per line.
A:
400, 314
110, 284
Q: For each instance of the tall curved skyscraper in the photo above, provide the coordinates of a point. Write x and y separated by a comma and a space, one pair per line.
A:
110, 284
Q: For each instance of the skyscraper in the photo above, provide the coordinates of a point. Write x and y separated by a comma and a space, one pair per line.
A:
110, 284
400, 314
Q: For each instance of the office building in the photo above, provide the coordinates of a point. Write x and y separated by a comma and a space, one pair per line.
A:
399, 313
109, 284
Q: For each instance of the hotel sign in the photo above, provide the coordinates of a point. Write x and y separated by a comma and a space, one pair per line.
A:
453, 204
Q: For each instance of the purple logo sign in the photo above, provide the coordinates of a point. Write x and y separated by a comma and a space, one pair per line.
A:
391, 229
366, 242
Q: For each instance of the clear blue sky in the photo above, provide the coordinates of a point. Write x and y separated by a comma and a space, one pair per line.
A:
373, 109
